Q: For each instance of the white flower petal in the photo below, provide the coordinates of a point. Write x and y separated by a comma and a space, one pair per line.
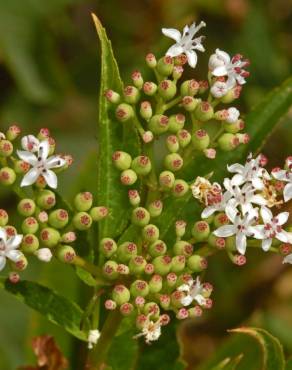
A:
2, 262
241, 243
225, 231
187, 300
220, 71
192, 58
30, 143
266, 214
266, 244
282, 218
223, 55
27, 157
208, 211
172, 33
283, 236
175, 50
257, 183
44, 149
30, 178
288, 192
288, 259
14, 242
51, 179
14, 255
231, 82
236, 167
55, 161
3, 234
280, 175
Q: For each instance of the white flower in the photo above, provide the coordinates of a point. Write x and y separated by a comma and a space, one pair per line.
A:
193, 290
241, 227
30, 143
250, 172
288, 259
285, 176
185, 42
151, 330
219, 89
93, 338
233, 115
272, 228
8, 248
44, 254
221, 64
2, 136
217, 207
41, 165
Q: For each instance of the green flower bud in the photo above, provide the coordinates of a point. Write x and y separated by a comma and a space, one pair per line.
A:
149, 88
29, 244
131, 94
49, 237
120, 294
176, 122
151, 309
171, 279
166, 180
167, 89
65, 253
220, 219
6, 148
157, 248
200, 140
204, 85
26, 207
216, 242
98, 213
126, 309
59, 218
108, 247
10, 230
183, 248
201, 231
151, 60
197, 263
21, 167
178, 263
121, 160
3, 218
134, 197
155, 284
150, 233
43, 134
140, 216
124, 112
158, 124
189, 103
110, 270
180, 188
147, 137
228, 142
137, 265
139, 288
162, 265
68, 237
233, 128
128, 177
126, 251
141, 165
176, 298
21, 264
155, 208
112, 96
13, 132
30, 225
137, 79
146, 110
7, 176
195, 311
46, 199
189, 88
164, 301
243, 138
177, 72
180, 228
82, 221
172, 143
83, 201
231, 95
173, 162
204, 111
184, 138
165, 66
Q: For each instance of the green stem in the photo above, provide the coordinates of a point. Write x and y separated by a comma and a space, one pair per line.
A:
172, 103
92, 269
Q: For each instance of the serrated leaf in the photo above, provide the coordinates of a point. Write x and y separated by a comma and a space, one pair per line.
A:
53, 306
272, 350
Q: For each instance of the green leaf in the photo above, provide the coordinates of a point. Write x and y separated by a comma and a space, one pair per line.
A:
228, 363
289, 365
112, 136
272, 350
54, 307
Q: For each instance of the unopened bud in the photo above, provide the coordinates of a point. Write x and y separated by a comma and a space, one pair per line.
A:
216, 241
21, 167
150, 233
172, 143
112, 96
139, 288
176, 122
30, 225
134, 197
140, 216
151, 60
197, 263
155, 284
177, 72
7, 176
6, 148
131, 94
65, 253
155, 208
30, 243
137, 79
204, 85
20, 264
180, 228
162, 265
157, 248
141, 165
124, 112
183, 248
184, 138
158, 124
243, 138
204, 111
59, 218
3, 217
44, 254
110, 270
82, 221
13, 132
201, 231
176, 298
14, 278
44, 133
178, 263
49, 237
180, 188
182, 313
128, 177
149, 269
165, 66
166, 180
164, 301
26, 207
110, 305
171, 279
220, 219
126, 251
195, 311
146, 110
68, 237
228, 142
121, 160
210, 153
46, 199
83, 201
126, 309
173, 162
149, 88
151, 309
120, 295
189, 103
200, 140
98, 213
123, 269
139, 301
137, 265
147, 137
167, 89
189, 88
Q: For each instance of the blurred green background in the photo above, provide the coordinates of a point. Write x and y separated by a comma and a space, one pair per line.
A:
49, 75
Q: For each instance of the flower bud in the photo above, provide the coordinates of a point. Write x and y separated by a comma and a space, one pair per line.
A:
189, 103
171, 279
46, 199
162, 265
155, 208
109, 304
285, 249
147, 137
126, 309
120, 294
149, 269
176, 122
82, 221
157, 248
177, 72
68, 237
204, 111
30, 225
6, 148
65, 253
216, 242
137, 79
197, 263
128, 177
3, 217
220, 219
44, 133
155, 284
176, 298
184, 138
131, 94
139, 288
40, 182
112, 96
165, 66
201, 231
126, 251
124, 112
180, 60
173, 162
83, 201
204, 85
141, 165
228, 142
167, 89
110, 270
21, 264
134, 197
195, 311
158, 124
43, 254
98, 213
149, 88
180, 228
231, 95
151, 309
164, 301
49, 237
189, 88
10, 230
7, 176
13, 132
14, 278
26, 207
151, 60
139, 302
166, 180
178, 263
200, 140
239, 260
182, 313
140, 216
210, 153
52, 145
121, 160
137, 265
233, 128
59, 218
150, 233
21, 167
123, 269
146, 110
180, 188
243, 138
141, 320
172, 143
30, 243
183, 248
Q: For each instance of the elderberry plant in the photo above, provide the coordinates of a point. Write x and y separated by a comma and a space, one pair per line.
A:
160, 215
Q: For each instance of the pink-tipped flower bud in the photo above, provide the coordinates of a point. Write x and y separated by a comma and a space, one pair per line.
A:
158, 124
150, 233
46, 199
189, 103
157, 248
162, 265
166, 180
141, 165
128, 177
176, 122
26, 207
110, 305
49, 237
139, 288
180, 228
30, 243
82, 221
164, 301
189, 88
6, 148
3, 218
285, 249
124, 112
149, 88
140, 216
121, 160
110, 270
183, 248
146, 110
152, 310
239, 259
137, 79
243, 138
167, 89
65, 253
180, 60
171, 279
14, 277
216, 241
228, 142
165, 66
172, 143
197, 263
195, 311
210, 153
44, 133
155, 208
7, 176
200, 140
180, 188
147, 137
204, 111
120, 294
182, 314
178, 263
149, 269
151, 60
98, 213
177, 72
30, 225
137, 265
69, 237
13, 132
112, 96
155, 284
203, 86
126, 251
141, 320
20, 264
201, 231
107, 247
58, 218
131, 94
134, 197
126, 309
139, 301
173, 162
184, 138
176, 298
123, 269
21, 167
83, 201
